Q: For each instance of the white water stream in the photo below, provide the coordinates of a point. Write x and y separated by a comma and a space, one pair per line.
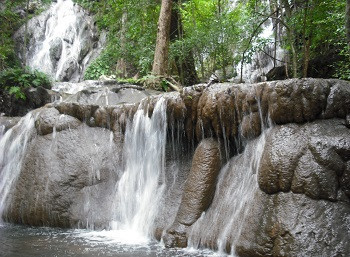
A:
143, 182
12, 151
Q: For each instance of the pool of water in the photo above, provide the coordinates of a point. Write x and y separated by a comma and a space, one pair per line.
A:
21, 241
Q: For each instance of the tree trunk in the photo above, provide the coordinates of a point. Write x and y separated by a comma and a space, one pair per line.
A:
121, 63
160, 62
347, 23
185, 61
25, 39
290, 37
306, 40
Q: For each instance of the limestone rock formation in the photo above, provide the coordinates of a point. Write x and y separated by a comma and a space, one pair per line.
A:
284, 190
198, 191
64, 171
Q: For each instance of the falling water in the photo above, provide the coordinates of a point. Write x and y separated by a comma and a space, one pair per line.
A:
12, 148
142, 183
62, 41
220, 227
2, 131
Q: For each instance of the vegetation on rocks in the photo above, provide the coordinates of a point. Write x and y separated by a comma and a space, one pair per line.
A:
16, 80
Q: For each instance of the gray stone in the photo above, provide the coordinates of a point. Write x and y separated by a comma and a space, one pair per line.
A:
307, 159
56, 51
287, 224
65, 176
51, 120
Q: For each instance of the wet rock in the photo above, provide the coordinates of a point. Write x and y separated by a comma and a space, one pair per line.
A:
198, 191
308, 159
51, 120
65, 178
102, 118
56, 51
338, 101
69, 68
35, 98
251, 125
200, 185
281, 154
277, 73
81, 112
347, 121
8, 122
287, 224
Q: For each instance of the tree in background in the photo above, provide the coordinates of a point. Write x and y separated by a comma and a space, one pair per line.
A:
218, 35
161, 55
347, 23
181, 57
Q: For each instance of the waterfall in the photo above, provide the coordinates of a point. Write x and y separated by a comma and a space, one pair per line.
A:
262, 61
143, 182
63, 40
235, 189
13, 146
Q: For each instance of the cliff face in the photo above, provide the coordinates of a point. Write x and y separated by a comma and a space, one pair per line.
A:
270, 174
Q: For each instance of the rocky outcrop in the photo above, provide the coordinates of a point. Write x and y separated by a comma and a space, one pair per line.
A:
65, 175
284, 190
305, 171
310, 159
241, 111
198, 191
288, 224
50, 120
8, 122
34, 98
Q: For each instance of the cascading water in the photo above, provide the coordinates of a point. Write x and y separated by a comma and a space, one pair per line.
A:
63, 40
263, 61
236, 187
143, 182
12, 148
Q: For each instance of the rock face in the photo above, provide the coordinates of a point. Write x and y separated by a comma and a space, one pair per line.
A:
66, 174
284, 190
35, 98
288, 224
311, 159
63, 41
198, 191
305, 171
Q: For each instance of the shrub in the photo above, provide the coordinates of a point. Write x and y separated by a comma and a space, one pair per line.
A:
15, 80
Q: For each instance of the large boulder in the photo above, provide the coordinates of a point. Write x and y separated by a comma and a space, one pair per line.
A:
309, 159
288, 224
65, 175
198, 191
34, 98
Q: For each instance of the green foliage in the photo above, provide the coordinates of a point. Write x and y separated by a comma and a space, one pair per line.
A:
11, 22
343, 67
216, 33
17, 92
101, 66
15, 80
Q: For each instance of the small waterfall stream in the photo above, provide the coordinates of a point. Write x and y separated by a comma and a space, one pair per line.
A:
235, 188
12, 151
142, 184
